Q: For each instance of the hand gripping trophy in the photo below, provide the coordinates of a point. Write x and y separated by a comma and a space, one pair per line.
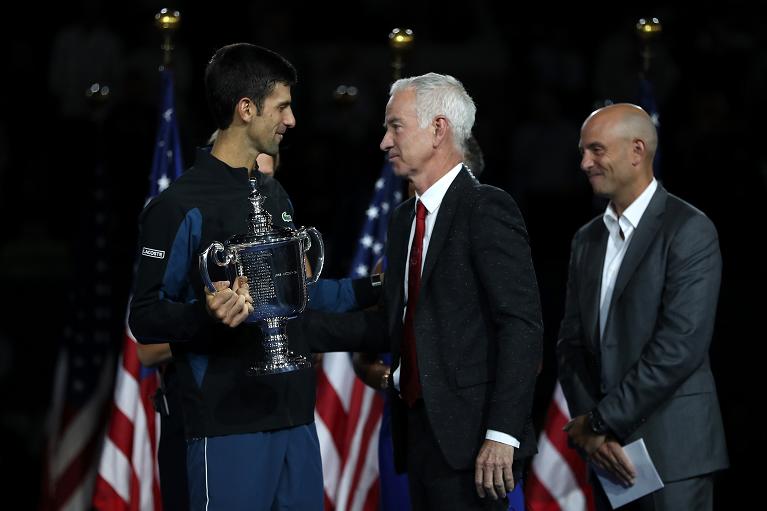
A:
274, 261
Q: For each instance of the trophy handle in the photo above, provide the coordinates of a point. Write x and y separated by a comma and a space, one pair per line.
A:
306, 234
217, 248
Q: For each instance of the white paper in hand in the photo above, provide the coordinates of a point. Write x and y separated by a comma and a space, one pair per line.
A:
647, 479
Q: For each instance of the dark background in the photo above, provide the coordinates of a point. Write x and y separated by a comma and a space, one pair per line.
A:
534, 75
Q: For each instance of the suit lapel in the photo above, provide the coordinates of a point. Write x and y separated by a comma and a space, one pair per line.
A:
594, 259
447, 209
396, 259
643, 236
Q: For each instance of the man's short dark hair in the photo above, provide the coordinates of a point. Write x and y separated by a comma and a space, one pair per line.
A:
243, 70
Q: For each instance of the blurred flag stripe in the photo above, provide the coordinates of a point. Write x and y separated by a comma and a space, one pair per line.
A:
119, 502
331, 461
68, 486
116, 470
558, 480
331, 410
371, 475
558, 416
361, 436
76, 437
349, 482
79, 433
335, 371
366, 473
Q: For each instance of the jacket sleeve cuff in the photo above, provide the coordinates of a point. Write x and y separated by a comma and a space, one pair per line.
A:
503, 438
367, 290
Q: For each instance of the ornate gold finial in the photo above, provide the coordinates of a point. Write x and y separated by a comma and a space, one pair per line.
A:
648, 29
167, 21
98, 93
400, 41
345, 94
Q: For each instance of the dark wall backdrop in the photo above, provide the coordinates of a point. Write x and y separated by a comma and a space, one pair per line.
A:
534, 73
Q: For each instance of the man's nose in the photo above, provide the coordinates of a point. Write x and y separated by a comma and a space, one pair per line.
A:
386, 142
289, 119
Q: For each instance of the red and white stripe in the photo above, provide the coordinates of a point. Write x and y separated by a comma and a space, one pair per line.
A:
74, 442
128, 475
348, 418
558, 479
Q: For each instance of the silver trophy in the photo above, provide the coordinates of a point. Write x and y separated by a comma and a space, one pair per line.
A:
274, 260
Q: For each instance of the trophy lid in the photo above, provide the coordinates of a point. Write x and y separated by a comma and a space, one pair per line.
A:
259, 219
260, 226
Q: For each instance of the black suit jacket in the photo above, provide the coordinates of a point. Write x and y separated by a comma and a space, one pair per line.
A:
477, 323
649, 375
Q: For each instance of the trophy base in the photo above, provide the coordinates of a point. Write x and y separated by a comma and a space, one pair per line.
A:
291, 362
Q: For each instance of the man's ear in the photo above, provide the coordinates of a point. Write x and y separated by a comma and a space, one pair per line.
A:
638, 151
440, 129
245, 109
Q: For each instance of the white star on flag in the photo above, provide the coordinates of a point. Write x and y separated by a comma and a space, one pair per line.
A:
163, 182
167, 114
367, 241
372, 212
377, 248
361, 270
379, 183
385, 207
655, 117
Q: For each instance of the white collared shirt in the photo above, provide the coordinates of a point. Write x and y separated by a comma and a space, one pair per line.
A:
618, 244
432, 199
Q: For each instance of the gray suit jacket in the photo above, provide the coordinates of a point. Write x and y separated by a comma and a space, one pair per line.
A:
649, 376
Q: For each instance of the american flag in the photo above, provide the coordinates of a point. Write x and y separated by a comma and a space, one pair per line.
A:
348, 412
128, 475
84, 369
558, 477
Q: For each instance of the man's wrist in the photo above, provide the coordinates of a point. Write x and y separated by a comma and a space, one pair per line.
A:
596, 423
385, 382
503, 438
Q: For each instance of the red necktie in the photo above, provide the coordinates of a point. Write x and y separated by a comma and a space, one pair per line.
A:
410, 382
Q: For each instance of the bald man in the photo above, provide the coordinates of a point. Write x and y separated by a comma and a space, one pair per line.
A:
641, 301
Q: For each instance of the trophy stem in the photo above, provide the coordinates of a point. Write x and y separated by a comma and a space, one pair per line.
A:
277, 357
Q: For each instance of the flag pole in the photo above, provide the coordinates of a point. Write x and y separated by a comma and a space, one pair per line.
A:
167, 21
401, 42
648, 30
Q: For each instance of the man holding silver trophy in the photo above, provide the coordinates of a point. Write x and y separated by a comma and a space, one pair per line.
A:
221, 268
